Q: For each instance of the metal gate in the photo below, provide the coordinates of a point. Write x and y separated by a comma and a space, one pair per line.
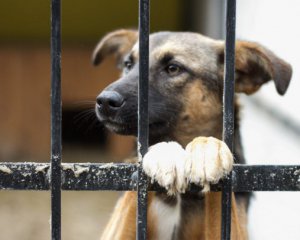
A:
56, 176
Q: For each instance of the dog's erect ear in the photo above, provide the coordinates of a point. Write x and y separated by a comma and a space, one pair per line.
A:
256, 65
118, 42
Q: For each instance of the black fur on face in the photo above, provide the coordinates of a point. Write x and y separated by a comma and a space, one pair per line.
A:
163, 109
172, 66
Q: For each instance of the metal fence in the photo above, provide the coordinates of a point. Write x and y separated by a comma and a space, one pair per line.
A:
57, 176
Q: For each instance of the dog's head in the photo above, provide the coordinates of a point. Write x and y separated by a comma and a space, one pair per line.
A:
185, 82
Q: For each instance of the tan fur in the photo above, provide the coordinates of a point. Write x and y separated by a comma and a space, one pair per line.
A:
119, 42
257, 65
122, 224
213, 218
202, 114
195, 229
123, 217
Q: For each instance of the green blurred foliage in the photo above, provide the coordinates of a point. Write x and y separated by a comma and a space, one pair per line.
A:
82, 21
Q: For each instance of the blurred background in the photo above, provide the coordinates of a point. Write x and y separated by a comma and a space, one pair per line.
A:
270, 123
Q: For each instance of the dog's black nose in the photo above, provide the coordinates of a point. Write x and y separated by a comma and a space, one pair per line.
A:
110, 100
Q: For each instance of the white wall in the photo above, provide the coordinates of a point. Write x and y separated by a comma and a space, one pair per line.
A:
275, 24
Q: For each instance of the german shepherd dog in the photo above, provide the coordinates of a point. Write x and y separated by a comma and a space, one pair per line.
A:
185, 123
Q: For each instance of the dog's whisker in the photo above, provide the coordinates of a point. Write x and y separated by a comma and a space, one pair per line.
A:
88, 122
84, 115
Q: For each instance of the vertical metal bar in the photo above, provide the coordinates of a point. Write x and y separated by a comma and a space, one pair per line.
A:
56, 120
143, 125
228, 115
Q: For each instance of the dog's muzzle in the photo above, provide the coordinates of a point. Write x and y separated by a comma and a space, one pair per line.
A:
108, 103
116, 112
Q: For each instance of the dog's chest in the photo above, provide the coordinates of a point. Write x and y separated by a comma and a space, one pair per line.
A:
167, 218
173, 220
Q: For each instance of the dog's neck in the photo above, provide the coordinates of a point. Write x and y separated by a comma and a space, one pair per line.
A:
213, 128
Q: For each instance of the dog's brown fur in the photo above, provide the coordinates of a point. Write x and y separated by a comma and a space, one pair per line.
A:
189, 104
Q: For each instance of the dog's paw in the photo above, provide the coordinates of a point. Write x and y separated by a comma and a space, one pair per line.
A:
209, 160
205, 160
164, 163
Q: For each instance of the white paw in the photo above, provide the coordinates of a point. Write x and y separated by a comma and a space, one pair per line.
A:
164, 163
205, 160
209, 160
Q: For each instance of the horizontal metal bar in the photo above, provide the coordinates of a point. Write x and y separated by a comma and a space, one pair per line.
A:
25, 176
121, 177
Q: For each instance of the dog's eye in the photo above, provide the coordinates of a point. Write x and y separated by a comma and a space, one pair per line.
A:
128, 65
173, 69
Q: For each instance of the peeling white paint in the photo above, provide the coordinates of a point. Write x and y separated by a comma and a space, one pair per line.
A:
99, 173
107, 165
67, 166
5, 169
139, 146
56, 157
297, 172
26, 174
79, 170
41, 168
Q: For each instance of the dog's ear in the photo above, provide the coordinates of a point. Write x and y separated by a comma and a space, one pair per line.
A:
256, 65
118, 43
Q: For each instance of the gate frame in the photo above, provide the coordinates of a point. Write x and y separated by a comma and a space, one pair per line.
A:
58, 176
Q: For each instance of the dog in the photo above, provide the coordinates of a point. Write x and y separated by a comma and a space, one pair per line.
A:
185, 127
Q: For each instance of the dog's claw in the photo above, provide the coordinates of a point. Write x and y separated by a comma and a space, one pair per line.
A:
205, 160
